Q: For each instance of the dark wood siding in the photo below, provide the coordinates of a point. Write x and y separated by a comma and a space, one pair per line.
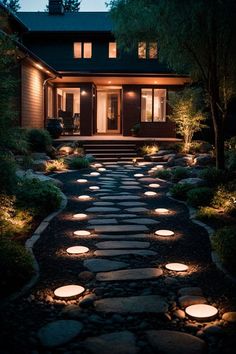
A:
32, 97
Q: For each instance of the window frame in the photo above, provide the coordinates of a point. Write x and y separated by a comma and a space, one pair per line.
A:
147, 50
82, 44
153, 96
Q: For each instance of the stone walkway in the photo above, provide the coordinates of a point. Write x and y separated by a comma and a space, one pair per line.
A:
131, 304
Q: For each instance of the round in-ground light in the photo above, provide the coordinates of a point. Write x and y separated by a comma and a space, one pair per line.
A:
159, 167
201, 312
82, 180
77, 250
162, 211
102, 169
94, 188
94, 174
150, 193
82, 233
69, 291
84, 197
138, 175
177, 267
80, 216
154, 185
164, 233
97, 165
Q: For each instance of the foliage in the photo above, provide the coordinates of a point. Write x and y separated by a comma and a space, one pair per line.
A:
42, 197
149, 149
186, 114
179, 173
199, 196
135, 128
8, 179
231, 160
70, 5
77, 163
231, 144
13, 5
225, 198
163, 174
180, 190
16, 266
39, 140
224, 243
200, 147
199, 39
213, 176
56, 165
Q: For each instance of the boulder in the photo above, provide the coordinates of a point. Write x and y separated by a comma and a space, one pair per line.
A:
183, 161
229, 317
203, 160
29, 174
39, 165
194, 181
40, 156
168, 157
164, 152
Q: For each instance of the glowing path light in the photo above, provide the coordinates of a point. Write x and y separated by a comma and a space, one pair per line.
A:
177, 267
82, 180
84, 197
159, 167
150, 194
154, 185
201, 312
97, 165
69, 291
94, 174
94, 188
102, 169
138, 175
164, 233
77, 250
80, 216
82, 233
162, 211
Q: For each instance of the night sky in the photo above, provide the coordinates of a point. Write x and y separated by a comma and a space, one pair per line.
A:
86, 5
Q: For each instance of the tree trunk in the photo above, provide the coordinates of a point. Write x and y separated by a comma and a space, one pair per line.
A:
218, 123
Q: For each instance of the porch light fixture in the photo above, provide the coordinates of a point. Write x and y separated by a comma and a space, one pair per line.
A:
164, 233
177, 267
82, 233
69, 291
138, 175
83, 93
150, 194
80, 216
82, 180
201, 312
162, 211
94, 174
94, 188
84, 197
154, 185
77, 250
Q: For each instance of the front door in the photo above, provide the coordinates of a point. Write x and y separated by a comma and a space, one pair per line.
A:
108, 111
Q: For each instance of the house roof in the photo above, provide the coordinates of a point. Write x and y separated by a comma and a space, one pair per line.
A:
13, 16
68, 22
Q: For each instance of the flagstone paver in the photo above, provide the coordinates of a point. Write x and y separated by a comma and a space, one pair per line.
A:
130, 187
142, 221
118, 216
119, 228
111, 253
103, 203
137, 210
123, 237
122, 244
132, 204
101, 209
121, 197
103, 265
130, 274
102, 221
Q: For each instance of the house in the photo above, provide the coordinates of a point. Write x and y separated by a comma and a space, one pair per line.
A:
73, 68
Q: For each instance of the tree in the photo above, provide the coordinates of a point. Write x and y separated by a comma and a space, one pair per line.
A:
70, 5
13, 5
187, 114
194, 37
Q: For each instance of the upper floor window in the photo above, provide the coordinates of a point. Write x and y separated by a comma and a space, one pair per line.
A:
147, 50
153, 105
112, 50
83, 50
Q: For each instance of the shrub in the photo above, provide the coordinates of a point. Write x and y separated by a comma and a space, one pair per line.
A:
231, 143
16, 266
224, 243
56, 165
77, 163
8, 179
39, 140
199, 196
179, 191
231, 160
163, 174
225, 198
149, 149
200, 146
42, 197
213, 176
179, 173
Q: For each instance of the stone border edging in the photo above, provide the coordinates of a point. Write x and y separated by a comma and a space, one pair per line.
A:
210, 231
29, 244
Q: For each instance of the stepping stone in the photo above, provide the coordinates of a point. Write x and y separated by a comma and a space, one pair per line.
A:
115, 343
118, 216
148, 180
130, 274
121, 197
137, 210
190, 290
101, 209
133, 304
102, 221
132, 204
130, 183
118, 228
130, 187
59, 332
103, 203
173, 342
111, 253
122, 244
188, 300
142, 221
103, 265
123, 237
106, 178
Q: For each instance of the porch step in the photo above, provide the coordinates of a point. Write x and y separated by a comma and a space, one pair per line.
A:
106, 150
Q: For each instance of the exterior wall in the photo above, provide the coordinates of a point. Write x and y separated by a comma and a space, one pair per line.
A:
32, 97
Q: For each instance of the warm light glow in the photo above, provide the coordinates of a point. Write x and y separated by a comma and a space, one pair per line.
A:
77, 250
94, 188
150, 193
69, 291
161, 211
82, 233
39, 66
82, 180
102, 169
201, 312
154, 185
80, 216
97, 165
177, 267
83, 93
84, 197
95, 174
159, 167
138, 175
164, 233
109, 82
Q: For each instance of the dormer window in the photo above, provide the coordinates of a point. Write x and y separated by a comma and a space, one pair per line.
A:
112, 50
147, 50
83, 50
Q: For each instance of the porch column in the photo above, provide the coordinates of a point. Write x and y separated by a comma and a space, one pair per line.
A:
86, 109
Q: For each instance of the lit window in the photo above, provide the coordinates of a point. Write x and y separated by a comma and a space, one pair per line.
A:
153, 105
112, 50
147, 50
83, 50
153, 50
142, 50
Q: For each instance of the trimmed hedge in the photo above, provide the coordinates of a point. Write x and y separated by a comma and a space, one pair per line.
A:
224, 243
